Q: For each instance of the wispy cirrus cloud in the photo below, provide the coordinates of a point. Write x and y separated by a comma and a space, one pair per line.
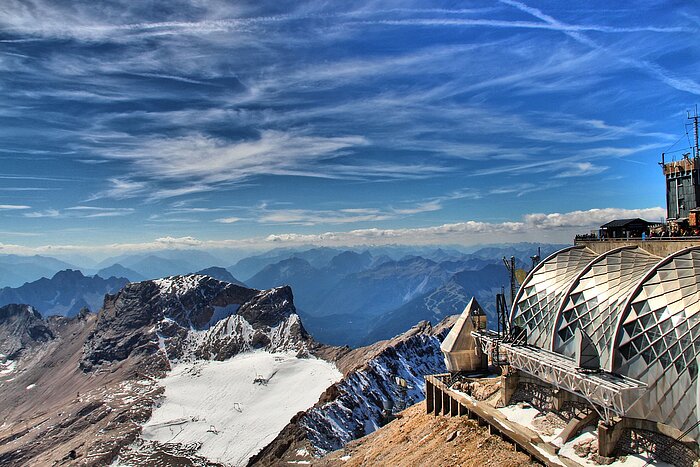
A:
198, 163
685, 84
375, 113
89, 212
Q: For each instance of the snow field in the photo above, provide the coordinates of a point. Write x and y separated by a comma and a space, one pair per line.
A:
219, 405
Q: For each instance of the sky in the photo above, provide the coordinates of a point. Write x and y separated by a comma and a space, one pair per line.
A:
209, 124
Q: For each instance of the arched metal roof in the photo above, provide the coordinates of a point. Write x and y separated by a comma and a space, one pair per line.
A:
540, 296
641, 312
657, 340
595, 298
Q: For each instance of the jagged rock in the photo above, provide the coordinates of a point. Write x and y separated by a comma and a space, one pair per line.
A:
21, 327
353, 407
194, 315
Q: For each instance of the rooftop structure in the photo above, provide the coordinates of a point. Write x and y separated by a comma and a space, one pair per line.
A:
624, 228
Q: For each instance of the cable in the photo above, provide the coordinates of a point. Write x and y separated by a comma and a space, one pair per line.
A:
669, 148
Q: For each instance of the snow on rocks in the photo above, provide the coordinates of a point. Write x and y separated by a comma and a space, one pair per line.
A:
582, 450
547, 425
236, 407
358, 410
7, 366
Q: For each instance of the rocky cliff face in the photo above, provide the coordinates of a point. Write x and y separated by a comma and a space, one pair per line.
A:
192, 316
21, 328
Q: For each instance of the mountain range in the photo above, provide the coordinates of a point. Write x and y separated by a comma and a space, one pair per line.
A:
65, 294
347, 297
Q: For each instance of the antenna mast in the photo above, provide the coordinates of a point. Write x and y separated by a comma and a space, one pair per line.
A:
510, 266
694, 118
695, 122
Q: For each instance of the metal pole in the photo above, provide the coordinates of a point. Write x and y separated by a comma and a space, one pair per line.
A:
697, 150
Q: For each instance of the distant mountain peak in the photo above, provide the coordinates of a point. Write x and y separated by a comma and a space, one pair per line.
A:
68, 274
221, 274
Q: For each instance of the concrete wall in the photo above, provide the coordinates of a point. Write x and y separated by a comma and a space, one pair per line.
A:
661, 248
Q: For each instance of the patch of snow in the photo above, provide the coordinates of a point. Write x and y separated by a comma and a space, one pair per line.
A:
7, 366
631, 460
524, 414
31, 386
303, 452
552, 458
345, 458
179, 285
218, 404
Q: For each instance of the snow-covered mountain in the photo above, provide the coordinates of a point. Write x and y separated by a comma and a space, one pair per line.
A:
184, 367
87, 384
66, 293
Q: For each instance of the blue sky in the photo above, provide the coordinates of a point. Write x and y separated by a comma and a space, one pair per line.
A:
211, 124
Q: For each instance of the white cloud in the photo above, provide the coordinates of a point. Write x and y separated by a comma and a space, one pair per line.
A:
552, 227
591, 217
12, 207
199, 163
227, 220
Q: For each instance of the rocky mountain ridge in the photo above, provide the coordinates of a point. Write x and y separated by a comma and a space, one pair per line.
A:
354, 407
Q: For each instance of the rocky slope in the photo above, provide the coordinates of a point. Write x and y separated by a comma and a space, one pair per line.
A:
353, 407
416, 438
21, 328
192, 316
66, 293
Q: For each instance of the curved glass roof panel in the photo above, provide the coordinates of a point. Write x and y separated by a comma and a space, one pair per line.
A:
658, 340
594, 302
540, 296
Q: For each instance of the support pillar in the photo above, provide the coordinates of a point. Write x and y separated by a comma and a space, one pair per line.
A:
437, 400
608, 436
559, 396
429, 397
509, 383
454, 408
445, 403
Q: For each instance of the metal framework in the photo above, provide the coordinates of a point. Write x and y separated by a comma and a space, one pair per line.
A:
608, 393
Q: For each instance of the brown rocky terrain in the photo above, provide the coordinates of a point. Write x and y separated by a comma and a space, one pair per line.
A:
53, 413
415, 438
